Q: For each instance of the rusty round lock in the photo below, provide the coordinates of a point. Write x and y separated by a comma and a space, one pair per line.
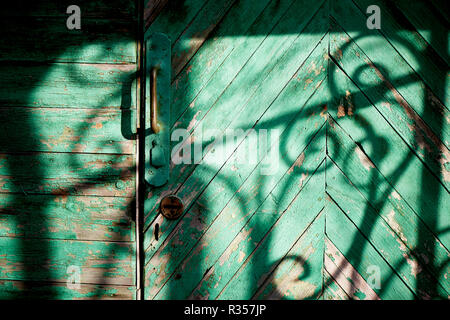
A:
171, 207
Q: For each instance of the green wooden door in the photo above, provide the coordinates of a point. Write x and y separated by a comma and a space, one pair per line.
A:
67, 150
310, 152
351, 200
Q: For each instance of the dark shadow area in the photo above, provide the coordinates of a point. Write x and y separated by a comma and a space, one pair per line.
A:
29, 169
32, 257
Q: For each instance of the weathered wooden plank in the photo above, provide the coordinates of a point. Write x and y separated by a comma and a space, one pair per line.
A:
238, 78
361, 255
378, 232
275, 247
66, 217
345, 277
410, 44
109, 9
332, 290
13, 289
247, 199
48, 260
263, 93
428, 146
198, 30
384, 149
291, 100
152, 9
298, 276
67, 130
440, 5
389, 204
67, 85
67, 173
391, 66
228, 242
174, 18
216, 49
434, 30
98, 40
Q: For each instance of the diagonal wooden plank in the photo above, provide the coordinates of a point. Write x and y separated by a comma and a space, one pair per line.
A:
255, 186
430, 145
332, 290
383, 141
426, 145
343, 278
298, 276
227, 73
110, 9
393, 209
174, 18
429, 28
438, 5
290, 100
255, 229
409, 43
152, 9
362, 255
242, 19
262, 91
403, 77
274, 249
226, 89
196, 33
379, 233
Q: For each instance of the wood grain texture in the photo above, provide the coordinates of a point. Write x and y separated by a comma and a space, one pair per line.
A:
298, 276
332, 290
67, 85
109, 9
67, 173
385, 99
257, 224
68, 130
384, 147
48, 260
17, 289
361, 254
404, 261
248, 91
342, 279
221, 49
395, 212
362, 175
292, 98
98, 40
67, 150
66, 217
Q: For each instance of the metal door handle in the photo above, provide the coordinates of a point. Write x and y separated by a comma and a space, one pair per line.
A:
154, 100
156, 111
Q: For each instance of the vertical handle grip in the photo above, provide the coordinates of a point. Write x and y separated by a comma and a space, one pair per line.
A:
156, 113
154, 100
